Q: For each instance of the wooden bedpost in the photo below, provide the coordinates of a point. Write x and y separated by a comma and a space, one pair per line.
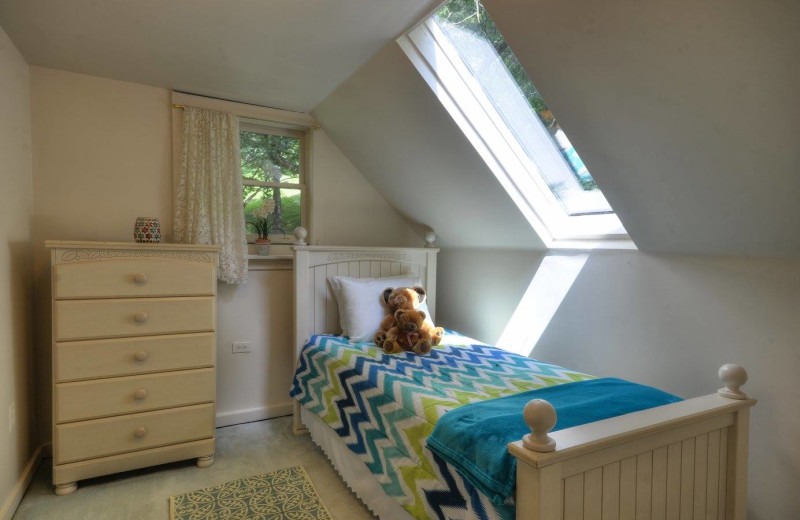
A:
300, 323
540, 416
734, 377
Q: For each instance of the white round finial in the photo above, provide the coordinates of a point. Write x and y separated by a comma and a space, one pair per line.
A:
541, 417
430, 238
300, 234
734, 377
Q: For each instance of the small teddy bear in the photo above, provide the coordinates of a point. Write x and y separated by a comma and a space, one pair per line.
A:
410, 333
404, 298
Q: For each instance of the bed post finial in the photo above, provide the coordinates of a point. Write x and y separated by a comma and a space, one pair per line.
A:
540, 416
734, 377
430, 238
300, 234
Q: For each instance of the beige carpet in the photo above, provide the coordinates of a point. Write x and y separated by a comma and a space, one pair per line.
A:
246, 449
285, 494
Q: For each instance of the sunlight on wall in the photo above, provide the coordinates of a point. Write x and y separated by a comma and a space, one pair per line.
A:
541, 300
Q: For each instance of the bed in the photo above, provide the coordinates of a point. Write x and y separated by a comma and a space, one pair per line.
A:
371, 414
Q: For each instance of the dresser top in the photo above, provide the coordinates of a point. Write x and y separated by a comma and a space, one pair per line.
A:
81, 244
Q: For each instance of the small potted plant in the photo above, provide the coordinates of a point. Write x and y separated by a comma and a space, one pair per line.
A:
264, 222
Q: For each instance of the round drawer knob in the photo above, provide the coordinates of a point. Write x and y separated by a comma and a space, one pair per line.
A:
140, 432
140, 317
140, 356
140, 278
140, 394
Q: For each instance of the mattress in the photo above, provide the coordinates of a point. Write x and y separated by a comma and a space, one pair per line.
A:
383, 407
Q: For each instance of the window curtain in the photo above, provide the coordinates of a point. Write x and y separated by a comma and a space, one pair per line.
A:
208, 197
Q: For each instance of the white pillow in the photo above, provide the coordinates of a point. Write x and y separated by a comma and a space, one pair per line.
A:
360, 301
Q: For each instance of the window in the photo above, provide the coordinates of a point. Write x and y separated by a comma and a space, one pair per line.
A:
273, 166
475, 74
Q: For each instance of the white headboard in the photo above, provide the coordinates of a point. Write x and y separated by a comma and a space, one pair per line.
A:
315, 309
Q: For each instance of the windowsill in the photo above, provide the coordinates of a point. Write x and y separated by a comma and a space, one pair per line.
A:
260, 258
276, 252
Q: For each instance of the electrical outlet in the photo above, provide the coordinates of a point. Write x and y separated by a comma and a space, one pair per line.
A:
241, 347
12, 418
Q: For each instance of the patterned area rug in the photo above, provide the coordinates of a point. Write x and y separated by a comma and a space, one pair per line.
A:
286, 494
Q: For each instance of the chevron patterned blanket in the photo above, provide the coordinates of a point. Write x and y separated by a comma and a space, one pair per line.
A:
384, 406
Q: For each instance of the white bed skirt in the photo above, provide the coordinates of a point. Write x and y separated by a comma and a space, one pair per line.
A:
352, 470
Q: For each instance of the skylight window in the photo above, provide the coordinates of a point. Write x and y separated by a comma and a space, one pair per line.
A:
475, 74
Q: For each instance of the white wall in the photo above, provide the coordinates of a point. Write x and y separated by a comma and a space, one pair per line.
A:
665, 320
387, 121
102, 155
347, 209
17, 441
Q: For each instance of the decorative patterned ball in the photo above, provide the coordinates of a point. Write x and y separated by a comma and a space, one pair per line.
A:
147, 230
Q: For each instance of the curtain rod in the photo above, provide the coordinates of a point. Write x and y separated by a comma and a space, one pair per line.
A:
313, 127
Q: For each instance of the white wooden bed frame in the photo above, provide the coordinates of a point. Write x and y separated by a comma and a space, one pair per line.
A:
686, 460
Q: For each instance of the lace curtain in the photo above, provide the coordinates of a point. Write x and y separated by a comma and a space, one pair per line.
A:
208, 199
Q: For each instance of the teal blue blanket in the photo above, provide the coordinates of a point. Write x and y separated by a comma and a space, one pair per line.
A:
473, 437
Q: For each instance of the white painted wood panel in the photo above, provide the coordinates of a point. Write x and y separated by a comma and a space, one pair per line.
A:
331, 311
723, 474
700, 472
672, 481
644, 485
712, 483
593, 494
687, 479
573, 497
611, 491
627, 489
320, 297
659, 495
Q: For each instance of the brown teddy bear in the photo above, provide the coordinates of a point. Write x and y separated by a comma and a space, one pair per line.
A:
410, 333
405, 298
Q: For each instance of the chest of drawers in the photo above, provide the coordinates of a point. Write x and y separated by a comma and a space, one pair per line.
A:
134, 353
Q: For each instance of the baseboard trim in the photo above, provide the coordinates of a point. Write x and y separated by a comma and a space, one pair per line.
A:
253, 414
18, 491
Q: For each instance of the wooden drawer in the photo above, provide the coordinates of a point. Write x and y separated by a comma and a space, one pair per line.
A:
101, 437
121, 395
85, 319
128, 356
133, 278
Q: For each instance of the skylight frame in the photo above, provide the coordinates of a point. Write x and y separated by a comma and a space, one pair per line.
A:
440, 64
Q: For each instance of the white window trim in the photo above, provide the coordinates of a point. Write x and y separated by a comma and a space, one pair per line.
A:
276, 120
464, 99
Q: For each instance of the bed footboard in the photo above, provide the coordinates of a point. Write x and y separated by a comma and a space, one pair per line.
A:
685, 460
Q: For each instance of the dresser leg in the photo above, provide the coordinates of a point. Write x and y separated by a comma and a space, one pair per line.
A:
204, 462
66, 489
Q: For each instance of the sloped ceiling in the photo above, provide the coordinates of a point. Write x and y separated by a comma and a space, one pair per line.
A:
684, 111
287, 54
388, 122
